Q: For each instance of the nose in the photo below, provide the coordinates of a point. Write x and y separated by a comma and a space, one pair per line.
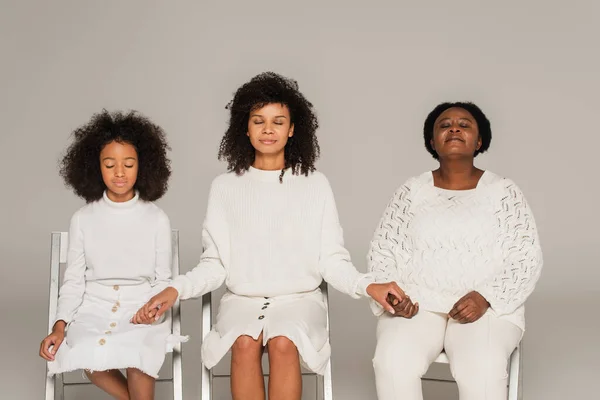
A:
268, 129
119, 171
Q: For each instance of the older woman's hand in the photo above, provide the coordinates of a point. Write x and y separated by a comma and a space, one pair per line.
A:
380, 291
403, 308
469, 308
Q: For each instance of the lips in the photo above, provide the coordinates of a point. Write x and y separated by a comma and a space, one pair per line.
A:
120, 184
457, 139
268, 141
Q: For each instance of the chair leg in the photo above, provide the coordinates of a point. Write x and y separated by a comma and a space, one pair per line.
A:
59, 386
50, 385
515, 385
327, 386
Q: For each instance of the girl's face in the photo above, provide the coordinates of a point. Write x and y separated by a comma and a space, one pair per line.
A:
119, 166
456, 134
269, 128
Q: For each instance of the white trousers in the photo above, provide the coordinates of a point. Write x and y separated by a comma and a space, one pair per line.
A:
478, 354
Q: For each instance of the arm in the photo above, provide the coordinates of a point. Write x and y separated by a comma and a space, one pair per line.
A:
508, 289
73, 287
209, 274
164, 254
390, 241
335, 264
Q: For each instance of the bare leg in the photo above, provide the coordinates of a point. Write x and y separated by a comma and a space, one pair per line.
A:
112, 382
247, 381
140, 385
285, 380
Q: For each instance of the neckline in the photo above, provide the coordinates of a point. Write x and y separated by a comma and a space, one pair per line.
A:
457, 191
272, 176
121, 205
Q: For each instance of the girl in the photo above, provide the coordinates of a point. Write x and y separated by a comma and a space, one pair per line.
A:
119, 255
272, 234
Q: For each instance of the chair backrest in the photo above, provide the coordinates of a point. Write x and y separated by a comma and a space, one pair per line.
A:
58, 257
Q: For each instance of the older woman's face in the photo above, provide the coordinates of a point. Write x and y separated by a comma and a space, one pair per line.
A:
455, 134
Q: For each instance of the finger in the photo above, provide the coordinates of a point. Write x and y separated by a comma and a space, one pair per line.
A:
458, 308
399, 289
463, 316
396, 291
46, 350
163, 308
42, 353
56, 346
408, 312
154, 302
416, 309
393, 300
404, 305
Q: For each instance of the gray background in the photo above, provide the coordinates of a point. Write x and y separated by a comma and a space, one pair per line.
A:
373, 70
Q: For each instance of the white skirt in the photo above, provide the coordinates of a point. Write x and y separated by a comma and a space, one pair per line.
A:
301, 317
101, 337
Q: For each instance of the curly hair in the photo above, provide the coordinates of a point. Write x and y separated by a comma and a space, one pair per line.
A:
80, 166
301, 150
485, 130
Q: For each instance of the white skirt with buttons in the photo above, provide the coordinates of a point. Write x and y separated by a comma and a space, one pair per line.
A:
301, 317
101, 337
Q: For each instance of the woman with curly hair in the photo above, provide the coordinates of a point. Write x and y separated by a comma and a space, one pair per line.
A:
462, 242
119, 256
272, 234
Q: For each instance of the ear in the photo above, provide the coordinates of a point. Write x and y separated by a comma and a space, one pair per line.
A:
291, 131
432, 144
479, 143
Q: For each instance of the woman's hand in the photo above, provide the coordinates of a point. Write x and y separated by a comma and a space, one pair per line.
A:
156, 306
53, 340
403, 308
469, 308
380, 291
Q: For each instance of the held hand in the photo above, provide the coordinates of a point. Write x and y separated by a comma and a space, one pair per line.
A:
469, 308
144, 315
405, 308
380, 291
53, 340
157, 306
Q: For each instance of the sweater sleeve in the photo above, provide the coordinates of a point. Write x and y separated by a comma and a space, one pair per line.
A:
390, 247
335, 264
515, 279
73, 287
164, 254
210, 273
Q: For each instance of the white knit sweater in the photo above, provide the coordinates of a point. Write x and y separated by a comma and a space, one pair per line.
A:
113, 243
266, 238
441, 244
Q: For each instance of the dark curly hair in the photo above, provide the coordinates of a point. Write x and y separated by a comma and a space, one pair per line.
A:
80, 166
301, 150
485, 130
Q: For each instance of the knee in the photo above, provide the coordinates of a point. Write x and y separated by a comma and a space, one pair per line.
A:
282, 347
246, 347
472, 368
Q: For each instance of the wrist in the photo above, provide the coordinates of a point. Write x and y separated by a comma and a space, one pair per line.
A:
59, 326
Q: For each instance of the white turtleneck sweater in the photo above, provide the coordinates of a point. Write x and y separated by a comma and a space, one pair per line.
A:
113, 243
266, 238
441, 244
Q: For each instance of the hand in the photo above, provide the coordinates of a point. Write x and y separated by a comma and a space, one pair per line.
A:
380, 291
144, 315
404, 308
469, 308
158, 305
53, 340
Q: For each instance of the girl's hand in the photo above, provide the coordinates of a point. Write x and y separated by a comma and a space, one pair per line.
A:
53, 340
158, 305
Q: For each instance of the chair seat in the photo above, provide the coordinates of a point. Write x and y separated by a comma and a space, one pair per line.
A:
442, 358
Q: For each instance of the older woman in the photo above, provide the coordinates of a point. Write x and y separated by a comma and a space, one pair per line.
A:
463, 246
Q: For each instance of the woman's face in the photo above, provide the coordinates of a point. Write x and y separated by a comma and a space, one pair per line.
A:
269, 128
119, 166
455, 134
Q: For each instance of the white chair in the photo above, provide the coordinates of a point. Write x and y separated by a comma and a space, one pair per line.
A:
324, 389
55, 385
515, 377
